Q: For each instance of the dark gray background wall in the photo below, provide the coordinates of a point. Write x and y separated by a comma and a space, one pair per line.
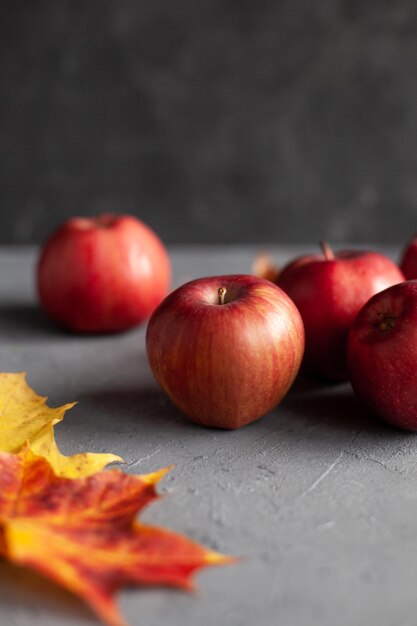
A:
217, 120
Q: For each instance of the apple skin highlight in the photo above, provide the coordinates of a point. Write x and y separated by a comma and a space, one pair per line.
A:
226, 364
382, 355
329, 290
104, 274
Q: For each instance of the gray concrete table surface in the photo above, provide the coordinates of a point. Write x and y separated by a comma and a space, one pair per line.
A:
319, 499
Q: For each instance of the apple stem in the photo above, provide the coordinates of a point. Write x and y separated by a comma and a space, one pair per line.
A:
327, 250
221, 293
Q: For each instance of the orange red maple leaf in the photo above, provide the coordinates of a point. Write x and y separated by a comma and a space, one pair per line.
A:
263, 267
82, 532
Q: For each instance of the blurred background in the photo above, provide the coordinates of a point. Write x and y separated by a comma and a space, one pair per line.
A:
214, 121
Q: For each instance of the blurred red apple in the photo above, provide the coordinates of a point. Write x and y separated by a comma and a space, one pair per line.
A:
329, 290
102, 274
408, 263
226, 349
382, 355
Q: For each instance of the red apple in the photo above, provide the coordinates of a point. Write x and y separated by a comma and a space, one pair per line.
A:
382, 355
226, 349
102, 274
329, 290
408, 263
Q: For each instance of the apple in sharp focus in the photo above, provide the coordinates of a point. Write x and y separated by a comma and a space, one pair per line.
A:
408, 263
226, 349
329, 290
103, 274
382, 355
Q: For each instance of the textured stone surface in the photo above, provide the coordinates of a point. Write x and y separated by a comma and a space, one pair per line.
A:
318, 499
215, 120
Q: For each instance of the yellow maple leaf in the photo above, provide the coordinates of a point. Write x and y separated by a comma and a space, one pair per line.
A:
25, 416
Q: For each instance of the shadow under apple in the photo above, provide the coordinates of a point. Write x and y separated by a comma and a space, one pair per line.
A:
148, 408
23, 321
337, 407
304, 383
20, 321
